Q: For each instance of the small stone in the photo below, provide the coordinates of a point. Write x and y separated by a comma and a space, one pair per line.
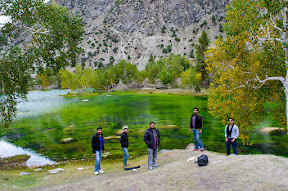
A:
38, 169
56, 170
24, 173
66, 140
80, 168
5, 178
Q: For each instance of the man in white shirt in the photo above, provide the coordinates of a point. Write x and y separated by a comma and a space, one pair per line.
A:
231, 135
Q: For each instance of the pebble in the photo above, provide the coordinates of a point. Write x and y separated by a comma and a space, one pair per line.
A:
56, 170
24, 173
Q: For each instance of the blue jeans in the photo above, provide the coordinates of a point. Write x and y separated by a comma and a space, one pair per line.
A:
125, 155
152, 157
234, 146
98, 161
197, 140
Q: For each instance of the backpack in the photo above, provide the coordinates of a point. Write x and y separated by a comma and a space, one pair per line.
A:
202, 160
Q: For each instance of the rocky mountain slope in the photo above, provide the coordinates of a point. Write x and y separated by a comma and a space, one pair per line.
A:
133, 29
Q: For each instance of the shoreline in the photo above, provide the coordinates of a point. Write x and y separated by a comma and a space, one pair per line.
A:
175, 167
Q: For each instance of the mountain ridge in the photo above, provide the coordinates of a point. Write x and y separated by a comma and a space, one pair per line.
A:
134, 29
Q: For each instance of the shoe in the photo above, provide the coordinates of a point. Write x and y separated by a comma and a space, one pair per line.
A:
101, 171
96, 173
150, 168
156, 165
195, 150
124, 166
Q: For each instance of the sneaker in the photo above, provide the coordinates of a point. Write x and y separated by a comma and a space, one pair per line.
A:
195, 150
150, 168
156, 165
96, 173
101, 171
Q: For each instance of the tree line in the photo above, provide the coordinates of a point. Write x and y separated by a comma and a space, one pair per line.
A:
167, 70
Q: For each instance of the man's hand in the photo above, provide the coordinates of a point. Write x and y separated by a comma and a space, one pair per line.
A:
200, 130
233, 140
95, 154
190, 129
226, 139
104, 151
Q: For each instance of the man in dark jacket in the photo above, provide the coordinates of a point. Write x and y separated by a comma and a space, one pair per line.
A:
196, 124
98, 147
152, 139
124, 145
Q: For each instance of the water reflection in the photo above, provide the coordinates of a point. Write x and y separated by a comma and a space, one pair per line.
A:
8, 150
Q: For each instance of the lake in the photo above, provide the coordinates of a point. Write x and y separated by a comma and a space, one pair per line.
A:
47, 119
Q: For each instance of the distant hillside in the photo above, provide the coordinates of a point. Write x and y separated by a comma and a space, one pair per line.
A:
133, 29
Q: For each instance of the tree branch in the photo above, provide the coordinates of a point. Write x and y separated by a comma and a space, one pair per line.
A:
262, 82
272, 19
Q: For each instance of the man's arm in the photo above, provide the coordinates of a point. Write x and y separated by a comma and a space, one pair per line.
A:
225, 131
201, 123
93, 145
158, 135
146, 137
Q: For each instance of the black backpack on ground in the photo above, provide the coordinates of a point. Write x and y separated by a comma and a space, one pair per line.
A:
202, 160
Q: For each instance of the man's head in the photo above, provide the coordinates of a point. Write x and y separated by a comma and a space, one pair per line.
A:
152, 125
195, 110
125, 129
99, 130
231, 121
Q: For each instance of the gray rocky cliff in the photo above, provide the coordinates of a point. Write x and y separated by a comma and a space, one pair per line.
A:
133, 29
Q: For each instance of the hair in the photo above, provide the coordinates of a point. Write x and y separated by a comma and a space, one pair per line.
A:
230, 118
195, 108
151, 123
99, 128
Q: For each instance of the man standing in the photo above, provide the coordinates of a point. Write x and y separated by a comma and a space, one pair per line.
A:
152, 139
124, 145
98, 147
231, 134
196, 124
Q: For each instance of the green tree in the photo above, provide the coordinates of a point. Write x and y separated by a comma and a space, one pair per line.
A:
152, 69
128, 73
49, 37
190, 79
200, 56
249, 66
141, 76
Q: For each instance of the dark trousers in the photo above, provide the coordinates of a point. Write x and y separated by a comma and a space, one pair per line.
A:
234, 146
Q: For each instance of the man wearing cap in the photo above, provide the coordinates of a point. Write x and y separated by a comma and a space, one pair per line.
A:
152, 139
124, 144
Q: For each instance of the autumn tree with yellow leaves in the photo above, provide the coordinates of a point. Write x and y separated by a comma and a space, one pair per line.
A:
249, 67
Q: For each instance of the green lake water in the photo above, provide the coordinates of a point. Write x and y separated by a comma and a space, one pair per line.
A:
48, 118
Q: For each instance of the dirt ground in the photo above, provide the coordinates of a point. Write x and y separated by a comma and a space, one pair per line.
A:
242, 172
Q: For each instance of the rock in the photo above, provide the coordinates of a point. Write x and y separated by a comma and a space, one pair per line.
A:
112, 137
38, 169
191, 159
270, 129
55, 170
24, 173
190, 146
106, 154
66, 140
85, 100
168, 126
80, 168
164, 151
